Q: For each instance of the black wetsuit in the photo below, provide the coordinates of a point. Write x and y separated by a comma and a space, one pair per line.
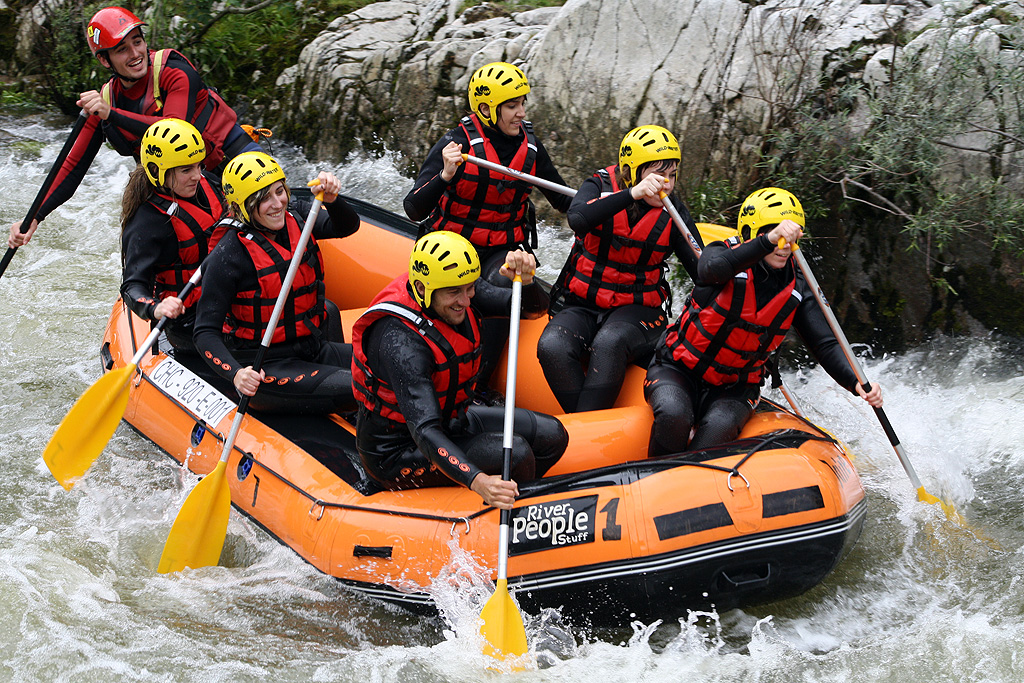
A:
612, 337
149, 246
678, 396
324, 366
426, 193
396, 456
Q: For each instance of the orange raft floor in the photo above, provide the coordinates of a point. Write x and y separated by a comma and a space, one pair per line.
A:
607, 536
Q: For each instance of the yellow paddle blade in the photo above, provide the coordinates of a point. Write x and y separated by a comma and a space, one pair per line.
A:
951, 512
503, 630
711, 232
198, 533
88, 426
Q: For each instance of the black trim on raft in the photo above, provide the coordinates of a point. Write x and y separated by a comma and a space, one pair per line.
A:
747, 570
686, 522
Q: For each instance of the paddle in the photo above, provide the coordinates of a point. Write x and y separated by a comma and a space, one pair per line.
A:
41, 195
502, 628
197, 535
844, 344
85, 430
526, 177
562, 189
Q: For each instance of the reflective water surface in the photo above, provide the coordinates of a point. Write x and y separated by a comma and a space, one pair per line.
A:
918, 599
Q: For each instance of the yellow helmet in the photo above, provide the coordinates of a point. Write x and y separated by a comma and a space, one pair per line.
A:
247, 174
769, 206
442, 259
167, 144
493, 84
646, 144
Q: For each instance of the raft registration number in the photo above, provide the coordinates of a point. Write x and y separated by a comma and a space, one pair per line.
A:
192, 391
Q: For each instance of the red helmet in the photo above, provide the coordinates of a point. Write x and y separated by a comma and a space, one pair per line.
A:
109, 27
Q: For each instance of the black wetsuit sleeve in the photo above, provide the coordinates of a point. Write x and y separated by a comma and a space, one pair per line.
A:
813, 328
401, 358
588, 209
719, 263
337, 219
229, 270
429, 186
148, 242
73, 170
546, 170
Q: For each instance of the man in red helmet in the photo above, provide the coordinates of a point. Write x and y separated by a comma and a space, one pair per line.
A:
145, 86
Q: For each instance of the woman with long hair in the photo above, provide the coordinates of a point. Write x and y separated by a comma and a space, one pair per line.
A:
168, 212
307, 368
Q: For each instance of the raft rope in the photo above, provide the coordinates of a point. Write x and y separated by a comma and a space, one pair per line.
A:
529, 490
673, 461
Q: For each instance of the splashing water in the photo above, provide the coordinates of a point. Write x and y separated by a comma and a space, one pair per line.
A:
917, 599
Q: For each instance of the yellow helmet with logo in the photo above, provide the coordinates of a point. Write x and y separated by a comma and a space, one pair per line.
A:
247, 174
493, 84
769, 206
646, 144
442, 259
167, 144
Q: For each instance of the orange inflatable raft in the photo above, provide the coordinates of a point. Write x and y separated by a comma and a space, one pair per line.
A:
607, 536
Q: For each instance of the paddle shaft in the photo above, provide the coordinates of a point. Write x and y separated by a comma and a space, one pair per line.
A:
568, 191
532, 179
678, 220
160, 324
858, 371
510, 409
282, 298
45, 189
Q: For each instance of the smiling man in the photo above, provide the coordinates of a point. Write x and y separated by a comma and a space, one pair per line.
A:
415, 360
145, 87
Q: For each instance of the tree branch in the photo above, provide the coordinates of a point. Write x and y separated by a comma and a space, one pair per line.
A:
226, 11
893, 209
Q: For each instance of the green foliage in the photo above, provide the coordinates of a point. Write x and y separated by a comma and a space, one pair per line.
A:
890, 149
17, 102
708, 202
67, 65
240, 52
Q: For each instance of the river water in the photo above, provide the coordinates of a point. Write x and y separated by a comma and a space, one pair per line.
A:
919, 598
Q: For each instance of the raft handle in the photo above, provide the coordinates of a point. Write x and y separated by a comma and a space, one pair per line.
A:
739, 474
745, 578
463, 520
312, 507
382, 552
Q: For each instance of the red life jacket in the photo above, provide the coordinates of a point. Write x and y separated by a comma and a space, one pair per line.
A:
486, 207
304, 310
456, 357
210, 115
729, 340
192, 226
620, 264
